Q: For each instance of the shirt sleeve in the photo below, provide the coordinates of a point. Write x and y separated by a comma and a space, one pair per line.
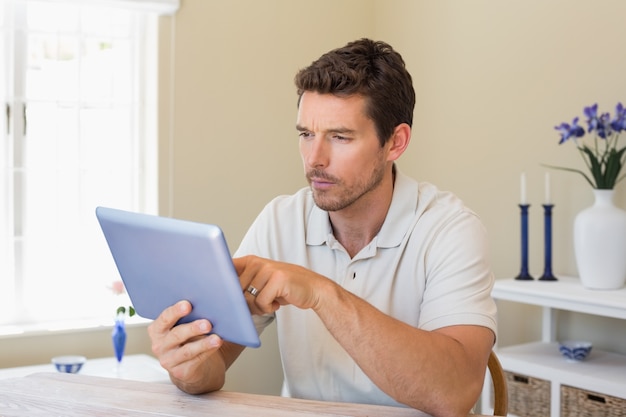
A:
459, 279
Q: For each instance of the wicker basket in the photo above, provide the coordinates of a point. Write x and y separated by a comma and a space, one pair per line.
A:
576, 402
528, 396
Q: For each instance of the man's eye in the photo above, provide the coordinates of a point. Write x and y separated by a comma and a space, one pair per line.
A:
305, 135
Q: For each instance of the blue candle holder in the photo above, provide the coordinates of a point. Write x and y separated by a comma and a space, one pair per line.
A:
547, 234
524, 275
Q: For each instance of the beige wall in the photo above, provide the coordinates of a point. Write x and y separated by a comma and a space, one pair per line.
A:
492, 79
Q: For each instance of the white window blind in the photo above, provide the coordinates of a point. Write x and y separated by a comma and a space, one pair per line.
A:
78, 81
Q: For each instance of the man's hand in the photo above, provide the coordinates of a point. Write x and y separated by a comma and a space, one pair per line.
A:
193, 358
278, 283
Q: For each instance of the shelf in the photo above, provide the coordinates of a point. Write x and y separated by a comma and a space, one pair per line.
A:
565, 294
602, 372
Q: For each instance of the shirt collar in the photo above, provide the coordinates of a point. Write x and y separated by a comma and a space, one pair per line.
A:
397, 222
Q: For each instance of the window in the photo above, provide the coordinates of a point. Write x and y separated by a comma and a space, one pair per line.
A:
78, 82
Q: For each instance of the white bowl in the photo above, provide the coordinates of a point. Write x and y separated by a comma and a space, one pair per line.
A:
575, 350
69, 364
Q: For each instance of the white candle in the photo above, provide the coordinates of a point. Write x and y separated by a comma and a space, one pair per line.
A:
547, 188
523, 188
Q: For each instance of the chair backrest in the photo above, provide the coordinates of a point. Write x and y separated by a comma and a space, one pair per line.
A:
500, 390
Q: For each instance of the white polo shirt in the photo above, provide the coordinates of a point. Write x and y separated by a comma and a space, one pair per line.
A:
428, 267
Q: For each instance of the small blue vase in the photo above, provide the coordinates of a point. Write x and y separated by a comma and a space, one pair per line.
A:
119, 339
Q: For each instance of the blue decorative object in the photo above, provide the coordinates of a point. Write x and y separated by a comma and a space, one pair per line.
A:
524, 274
547, 230
574, 350
70, 364
119, 339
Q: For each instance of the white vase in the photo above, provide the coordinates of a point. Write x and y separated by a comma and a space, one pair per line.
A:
600, 243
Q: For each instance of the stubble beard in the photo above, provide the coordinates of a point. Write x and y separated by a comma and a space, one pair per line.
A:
327, 201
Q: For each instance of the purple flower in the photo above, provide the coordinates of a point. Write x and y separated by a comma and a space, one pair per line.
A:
619, 122
601, 124
568, 131
592, 117
604, 126
604, 159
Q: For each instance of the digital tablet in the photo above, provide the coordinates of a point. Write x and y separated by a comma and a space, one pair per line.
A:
162, 260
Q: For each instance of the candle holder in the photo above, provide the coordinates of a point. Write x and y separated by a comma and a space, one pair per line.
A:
524, 275
547, 234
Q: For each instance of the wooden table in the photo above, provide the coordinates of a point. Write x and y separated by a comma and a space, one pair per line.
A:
69, 395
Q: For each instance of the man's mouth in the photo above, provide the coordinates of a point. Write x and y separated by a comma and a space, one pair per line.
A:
320, 183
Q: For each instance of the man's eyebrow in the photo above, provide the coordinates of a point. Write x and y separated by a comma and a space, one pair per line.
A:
341, 130
301, 128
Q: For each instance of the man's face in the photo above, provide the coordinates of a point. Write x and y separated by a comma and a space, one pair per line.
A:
341, 153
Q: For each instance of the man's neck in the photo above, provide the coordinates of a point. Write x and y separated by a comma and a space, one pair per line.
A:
355, 227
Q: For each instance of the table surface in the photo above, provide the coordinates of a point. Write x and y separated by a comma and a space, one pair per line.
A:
69, 395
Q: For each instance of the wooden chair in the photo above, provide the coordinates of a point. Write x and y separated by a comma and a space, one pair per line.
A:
500, 390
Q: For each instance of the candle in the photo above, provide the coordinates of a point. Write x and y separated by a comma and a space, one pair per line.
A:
547, 188
523, 188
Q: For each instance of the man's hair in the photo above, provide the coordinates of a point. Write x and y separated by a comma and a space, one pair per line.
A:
368, 68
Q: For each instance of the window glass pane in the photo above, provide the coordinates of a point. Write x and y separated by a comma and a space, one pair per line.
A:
52, 16
52, 67
98, 21
104, 70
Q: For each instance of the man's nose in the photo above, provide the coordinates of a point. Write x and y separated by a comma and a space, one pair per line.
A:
316, 153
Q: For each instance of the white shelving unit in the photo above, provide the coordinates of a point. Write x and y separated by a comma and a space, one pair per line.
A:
602, 372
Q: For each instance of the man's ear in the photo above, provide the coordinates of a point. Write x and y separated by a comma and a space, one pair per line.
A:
399, 141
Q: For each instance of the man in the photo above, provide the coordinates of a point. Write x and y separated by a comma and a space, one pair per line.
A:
380, 285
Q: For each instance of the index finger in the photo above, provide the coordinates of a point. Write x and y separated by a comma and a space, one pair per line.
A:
241, 264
